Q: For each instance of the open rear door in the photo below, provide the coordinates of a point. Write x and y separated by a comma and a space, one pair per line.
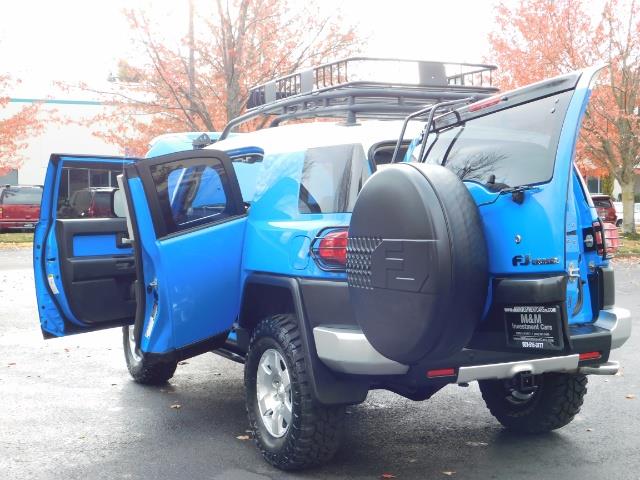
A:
187, 228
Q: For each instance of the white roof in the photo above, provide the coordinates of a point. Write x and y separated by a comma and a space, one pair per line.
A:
302, 136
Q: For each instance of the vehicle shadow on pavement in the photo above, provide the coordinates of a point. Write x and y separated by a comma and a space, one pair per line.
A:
386, 434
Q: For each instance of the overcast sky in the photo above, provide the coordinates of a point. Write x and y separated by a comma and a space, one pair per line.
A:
80, 40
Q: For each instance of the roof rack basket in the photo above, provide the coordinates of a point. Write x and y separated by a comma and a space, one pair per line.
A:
365, 88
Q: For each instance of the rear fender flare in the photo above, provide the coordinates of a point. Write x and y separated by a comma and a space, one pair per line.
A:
326, 387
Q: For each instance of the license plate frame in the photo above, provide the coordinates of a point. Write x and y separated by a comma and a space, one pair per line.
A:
534, 327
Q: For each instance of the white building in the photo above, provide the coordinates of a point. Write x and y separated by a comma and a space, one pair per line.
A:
57, 137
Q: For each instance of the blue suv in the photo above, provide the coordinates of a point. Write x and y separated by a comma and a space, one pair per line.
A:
435, 232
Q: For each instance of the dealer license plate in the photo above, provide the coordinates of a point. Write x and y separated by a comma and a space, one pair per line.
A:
534, 327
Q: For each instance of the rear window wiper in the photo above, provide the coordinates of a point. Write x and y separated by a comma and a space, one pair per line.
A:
517, 193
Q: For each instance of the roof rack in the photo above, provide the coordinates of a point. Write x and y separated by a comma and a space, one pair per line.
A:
365, 88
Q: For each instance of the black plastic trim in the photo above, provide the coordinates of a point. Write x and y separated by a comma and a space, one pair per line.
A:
189, 351
608, 286
530, 289
327, 302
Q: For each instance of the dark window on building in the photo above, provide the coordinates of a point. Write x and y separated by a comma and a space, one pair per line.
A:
332, 178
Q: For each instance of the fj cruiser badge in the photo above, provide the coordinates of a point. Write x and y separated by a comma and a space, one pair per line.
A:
524, 260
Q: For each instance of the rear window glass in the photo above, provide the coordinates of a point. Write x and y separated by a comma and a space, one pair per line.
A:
21, 196
602, 203
332, 178
512, 147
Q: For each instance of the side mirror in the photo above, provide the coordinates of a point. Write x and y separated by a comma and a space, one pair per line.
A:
118, 204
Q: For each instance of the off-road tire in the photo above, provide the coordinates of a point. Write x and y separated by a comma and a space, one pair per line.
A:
143, 370
554, 404
314, 435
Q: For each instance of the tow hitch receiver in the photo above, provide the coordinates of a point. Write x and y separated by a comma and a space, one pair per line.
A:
525, 382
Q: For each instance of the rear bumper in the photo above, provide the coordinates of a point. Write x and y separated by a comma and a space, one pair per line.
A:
345, 349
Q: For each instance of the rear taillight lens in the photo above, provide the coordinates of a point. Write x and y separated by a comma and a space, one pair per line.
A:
330, 249
603, 237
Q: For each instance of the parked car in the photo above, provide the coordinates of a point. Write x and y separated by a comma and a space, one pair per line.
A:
472, 255
620, 213
605, 208
19, 206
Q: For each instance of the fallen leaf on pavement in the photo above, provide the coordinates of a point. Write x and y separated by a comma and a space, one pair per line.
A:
387, 475
631, 396
183, 363
589, 429
11, 364
243, 437
176, 406
449, 473
477, 444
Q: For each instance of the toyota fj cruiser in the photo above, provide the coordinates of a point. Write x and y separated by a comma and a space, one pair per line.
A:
438, 232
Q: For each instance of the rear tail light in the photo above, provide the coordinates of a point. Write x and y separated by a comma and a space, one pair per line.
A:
330, 249
489, 102
590, 356
602, 237
441, 372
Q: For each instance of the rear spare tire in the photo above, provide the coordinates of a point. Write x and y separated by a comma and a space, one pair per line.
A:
417, 262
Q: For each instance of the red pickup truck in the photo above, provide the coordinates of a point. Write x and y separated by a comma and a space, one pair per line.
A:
19, 206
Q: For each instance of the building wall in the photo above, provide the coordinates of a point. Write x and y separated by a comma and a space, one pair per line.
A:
59, 137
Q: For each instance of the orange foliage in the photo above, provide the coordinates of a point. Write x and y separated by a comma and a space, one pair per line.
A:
14, 129
204, 82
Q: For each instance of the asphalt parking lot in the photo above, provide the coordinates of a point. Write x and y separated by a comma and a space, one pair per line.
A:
70, 411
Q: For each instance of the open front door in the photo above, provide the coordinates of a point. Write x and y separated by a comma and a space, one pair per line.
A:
187, 229
84, 271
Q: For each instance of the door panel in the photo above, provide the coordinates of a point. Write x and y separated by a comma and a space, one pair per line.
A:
188, 222
96, 274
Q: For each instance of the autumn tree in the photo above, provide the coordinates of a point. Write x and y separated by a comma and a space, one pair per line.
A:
541, 38
15, 128
202, 82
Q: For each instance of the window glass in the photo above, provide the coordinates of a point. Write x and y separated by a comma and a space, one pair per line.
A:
191, 195
512, 147
21, 196
248, 169
332, 178
86, 192
602, 203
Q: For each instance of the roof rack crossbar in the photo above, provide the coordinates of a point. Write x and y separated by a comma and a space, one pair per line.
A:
399, 102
